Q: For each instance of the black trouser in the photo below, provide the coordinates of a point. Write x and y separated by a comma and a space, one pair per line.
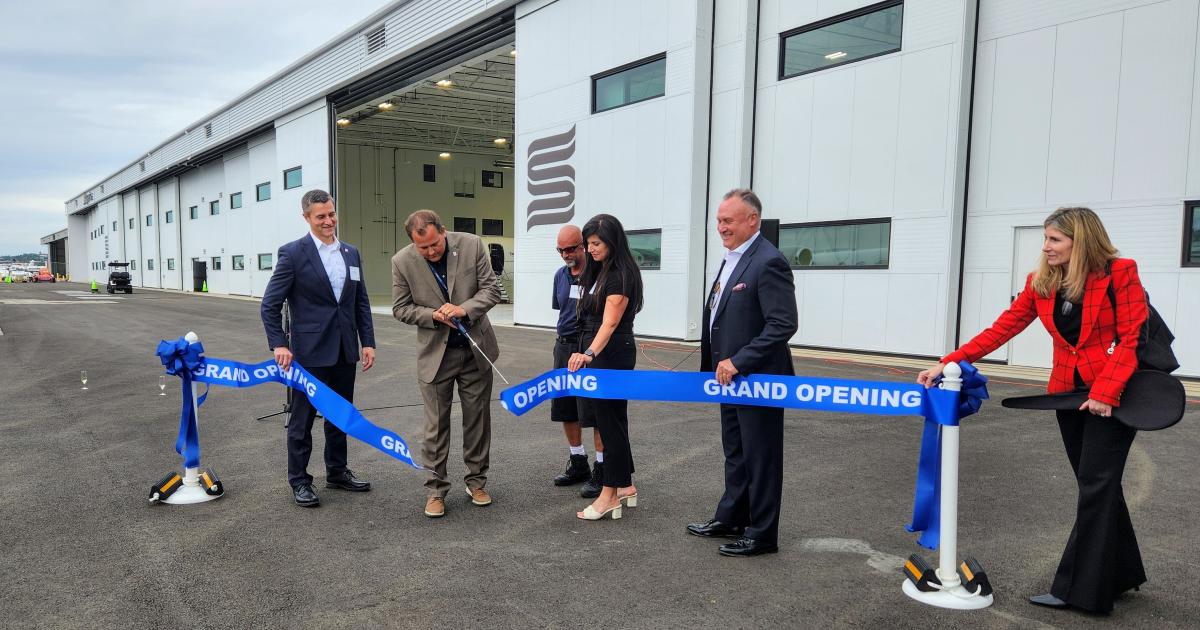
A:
339, 378
566, 409
752, 438
612, 416
1102, 559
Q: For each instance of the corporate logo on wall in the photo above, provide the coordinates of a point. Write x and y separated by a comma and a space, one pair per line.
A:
551, 179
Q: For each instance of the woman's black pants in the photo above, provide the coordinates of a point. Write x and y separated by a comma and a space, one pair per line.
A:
612, 416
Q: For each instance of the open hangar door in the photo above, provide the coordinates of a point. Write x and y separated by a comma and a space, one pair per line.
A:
433, 131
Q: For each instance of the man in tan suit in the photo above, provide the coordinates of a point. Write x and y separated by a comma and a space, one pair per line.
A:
441, 278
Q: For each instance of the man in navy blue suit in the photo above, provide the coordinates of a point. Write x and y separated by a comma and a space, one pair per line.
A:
749, 316
321, 280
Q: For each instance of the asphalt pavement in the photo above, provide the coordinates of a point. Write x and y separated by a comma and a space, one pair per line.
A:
82, 547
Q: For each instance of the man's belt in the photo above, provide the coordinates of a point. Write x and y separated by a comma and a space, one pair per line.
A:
568, 339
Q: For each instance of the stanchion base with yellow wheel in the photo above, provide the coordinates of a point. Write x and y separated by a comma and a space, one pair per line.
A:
191, 487
955, 597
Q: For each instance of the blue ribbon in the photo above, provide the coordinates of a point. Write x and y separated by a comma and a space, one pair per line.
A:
329, 403
180, 358
927, 493
939, 407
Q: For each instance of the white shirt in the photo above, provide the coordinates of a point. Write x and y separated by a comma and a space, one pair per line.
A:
732, 257
335, 265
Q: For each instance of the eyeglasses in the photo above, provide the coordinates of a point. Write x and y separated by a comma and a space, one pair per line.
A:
568, 250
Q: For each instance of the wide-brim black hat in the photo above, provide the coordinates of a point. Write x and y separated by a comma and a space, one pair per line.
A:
1152, 400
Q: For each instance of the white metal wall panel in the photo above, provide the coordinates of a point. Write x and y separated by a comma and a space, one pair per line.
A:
1000, 18
1087, 68
1156, 75
168, 234
1021, 112
981, 127
642, 162
876, 138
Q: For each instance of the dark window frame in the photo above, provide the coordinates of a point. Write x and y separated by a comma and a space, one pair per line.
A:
292, 170
238, 196
830, 21
214, 207
474, 224
132, 222
486, 223
657, 231
258, 191
237, 262
662, 56
169, 216
193, 213
270, 262
816, 224
149, 220
1189, 211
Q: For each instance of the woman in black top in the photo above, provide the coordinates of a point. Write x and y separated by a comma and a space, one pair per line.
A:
612, 288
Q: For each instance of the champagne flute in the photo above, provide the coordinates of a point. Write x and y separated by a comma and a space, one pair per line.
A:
162, 385
83, 378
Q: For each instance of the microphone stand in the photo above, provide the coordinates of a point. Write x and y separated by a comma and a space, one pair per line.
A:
287, 391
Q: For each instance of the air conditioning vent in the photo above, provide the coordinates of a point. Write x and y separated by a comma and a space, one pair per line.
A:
141, 165
208, 130
376, 40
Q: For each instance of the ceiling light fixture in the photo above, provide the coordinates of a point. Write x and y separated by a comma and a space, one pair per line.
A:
500, 141
386, 105
835, 55
445, 155
445, 83
343, 122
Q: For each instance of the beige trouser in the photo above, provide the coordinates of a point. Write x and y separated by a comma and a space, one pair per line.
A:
474, 392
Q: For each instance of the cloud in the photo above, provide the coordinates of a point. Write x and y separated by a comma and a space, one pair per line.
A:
92, 85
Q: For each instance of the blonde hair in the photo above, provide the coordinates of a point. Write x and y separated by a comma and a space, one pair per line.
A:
1091, 250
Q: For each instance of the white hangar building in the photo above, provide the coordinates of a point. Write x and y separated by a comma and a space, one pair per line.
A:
908, 148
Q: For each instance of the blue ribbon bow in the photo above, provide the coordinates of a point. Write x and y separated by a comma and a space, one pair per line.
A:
939, 405
181, 358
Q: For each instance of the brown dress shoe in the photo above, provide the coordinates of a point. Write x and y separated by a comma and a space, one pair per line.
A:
479, 496
435, 507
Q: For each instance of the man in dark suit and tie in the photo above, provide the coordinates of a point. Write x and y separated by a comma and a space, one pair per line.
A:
321, 279
749, 316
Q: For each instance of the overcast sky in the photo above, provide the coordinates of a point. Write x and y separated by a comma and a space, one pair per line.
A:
90, 85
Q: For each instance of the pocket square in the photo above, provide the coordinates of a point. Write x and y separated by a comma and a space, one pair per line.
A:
738, 287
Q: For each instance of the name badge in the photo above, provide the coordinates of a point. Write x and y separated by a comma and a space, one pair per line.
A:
356, 274
576, 291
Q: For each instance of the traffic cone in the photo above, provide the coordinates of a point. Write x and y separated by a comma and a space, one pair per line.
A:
204, 287
95, 288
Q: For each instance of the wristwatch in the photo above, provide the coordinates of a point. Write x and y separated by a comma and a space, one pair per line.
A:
589, 353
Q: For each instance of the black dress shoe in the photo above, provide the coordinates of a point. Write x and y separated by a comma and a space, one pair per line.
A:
715, 529
347, 481
577, 471
592, 488
745, 547
305, 496
1048, 600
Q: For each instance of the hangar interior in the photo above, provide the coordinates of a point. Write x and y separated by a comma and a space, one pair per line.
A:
440, 141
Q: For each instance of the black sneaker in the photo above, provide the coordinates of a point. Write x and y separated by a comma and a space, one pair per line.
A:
592, 488
577, 471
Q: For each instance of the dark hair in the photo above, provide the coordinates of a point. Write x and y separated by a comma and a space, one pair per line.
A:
421, 219
619, 262
313, 197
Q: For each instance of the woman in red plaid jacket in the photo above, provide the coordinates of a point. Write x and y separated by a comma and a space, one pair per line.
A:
1069, 294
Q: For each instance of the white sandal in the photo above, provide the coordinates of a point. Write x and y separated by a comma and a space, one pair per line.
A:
592, 514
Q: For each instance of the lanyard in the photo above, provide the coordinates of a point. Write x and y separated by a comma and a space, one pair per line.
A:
437, 276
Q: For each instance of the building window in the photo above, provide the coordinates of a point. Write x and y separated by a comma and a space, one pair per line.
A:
293, 178
646, 246
102, 228
133, 265
216, 263
631, 83
493, 179
239, 262
170, 264
860, 34
149, 220
170, 216
429, 172
860, 244
493, 227
262, 192
149, 264
1191, 234
132, 223
194, 212
464, 224
235, 201
214, 207
114, 227
264, 262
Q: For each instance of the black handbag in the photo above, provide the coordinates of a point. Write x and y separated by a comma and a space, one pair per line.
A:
1154, 339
